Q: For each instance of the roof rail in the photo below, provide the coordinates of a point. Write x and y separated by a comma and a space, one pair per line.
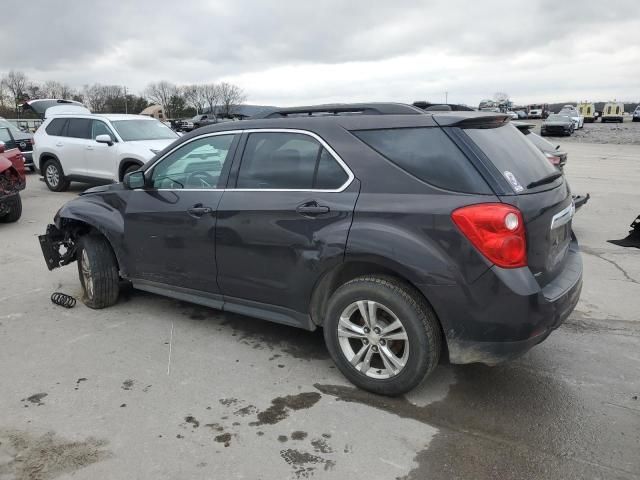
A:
441, 107
342, 108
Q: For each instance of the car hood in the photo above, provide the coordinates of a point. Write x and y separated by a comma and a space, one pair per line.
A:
22, 136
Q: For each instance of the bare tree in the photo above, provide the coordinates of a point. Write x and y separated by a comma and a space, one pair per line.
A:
16, 83
230, 97
500, 97
161, 94
194, 97
211, 95
54, 89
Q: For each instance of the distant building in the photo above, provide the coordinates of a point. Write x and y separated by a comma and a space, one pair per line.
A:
154, 111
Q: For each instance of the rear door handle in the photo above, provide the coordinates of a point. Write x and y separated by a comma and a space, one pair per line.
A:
59, 144
89, 147
312, 209
199, 210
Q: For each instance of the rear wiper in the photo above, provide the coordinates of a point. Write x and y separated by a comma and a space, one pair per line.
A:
545, 180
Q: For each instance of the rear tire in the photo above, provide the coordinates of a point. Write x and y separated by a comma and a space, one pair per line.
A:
14, 205
398, 358
98, 272
54, 176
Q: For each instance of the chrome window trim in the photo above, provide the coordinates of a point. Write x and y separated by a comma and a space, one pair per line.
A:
332, 152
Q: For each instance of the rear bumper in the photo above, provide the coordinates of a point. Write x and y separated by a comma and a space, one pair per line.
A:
505, 313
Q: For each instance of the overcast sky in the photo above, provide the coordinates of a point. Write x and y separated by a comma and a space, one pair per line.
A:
285, 52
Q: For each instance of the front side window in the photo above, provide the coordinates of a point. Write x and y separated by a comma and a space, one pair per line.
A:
196, 165
100, 128
5, 135
79, 128
289, 161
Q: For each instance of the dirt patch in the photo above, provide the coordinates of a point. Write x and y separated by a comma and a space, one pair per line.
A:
192, 420
298, 435
282, 438
228, 401
216, 427
280, 407
303, 463
224, 438
78, 382
36, 398
320, 445
127, 384
45, 457
244, 411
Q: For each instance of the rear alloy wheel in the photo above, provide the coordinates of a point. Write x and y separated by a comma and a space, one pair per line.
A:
98, 272
12, 208
54, 176
382, 334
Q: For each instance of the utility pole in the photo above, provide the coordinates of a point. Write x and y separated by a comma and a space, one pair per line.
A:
126, 109
446, 97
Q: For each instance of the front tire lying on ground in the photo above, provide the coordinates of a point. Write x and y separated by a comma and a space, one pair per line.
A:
382, 334
98, 271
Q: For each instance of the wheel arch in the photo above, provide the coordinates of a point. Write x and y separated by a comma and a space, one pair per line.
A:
44, 156
86, 221
125, 163
331, 280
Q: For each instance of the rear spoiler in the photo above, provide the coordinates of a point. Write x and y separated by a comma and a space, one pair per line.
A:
471, 120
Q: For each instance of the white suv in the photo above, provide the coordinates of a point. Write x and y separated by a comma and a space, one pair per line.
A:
96, 148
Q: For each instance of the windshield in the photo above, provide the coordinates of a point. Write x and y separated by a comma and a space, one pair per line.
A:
132, 130
535, 107
559, 118
518, 160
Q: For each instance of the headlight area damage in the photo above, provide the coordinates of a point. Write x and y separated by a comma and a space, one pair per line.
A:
58, 246
12, 180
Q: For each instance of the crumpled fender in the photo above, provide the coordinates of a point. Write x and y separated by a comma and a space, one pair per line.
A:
11, 179
97, 212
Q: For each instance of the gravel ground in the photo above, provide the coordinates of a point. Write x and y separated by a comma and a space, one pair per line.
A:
626, 133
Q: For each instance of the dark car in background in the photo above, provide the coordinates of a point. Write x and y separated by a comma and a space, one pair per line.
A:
557, 125
13, 137
404, 235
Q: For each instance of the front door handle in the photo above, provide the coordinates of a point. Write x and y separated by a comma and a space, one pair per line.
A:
89, 147
198, 210
59, 144
312, 209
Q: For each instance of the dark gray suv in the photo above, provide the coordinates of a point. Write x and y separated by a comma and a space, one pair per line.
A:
406, 236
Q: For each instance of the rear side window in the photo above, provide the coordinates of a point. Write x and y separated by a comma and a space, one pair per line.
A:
292, 161
79, 128
519, 161
428, 154
56, 127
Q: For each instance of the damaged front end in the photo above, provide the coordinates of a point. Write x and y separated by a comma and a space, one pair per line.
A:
11, 181
58, 247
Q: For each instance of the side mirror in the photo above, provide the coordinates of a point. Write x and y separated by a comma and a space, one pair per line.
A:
2, 147
104, 138
134, 180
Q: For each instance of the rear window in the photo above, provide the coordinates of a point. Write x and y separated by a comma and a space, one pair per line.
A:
56, 127
519, 161
428, 154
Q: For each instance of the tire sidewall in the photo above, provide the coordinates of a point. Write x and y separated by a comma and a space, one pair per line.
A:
61, 181
418, 361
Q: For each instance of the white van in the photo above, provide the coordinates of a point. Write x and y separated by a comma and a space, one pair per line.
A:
613, 112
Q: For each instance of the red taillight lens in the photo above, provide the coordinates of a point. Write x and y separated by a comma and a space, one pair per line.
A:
497, 230
555, 160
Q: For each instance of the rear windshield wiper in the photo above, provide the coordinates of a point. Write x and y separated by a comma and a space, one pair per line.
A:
545, 180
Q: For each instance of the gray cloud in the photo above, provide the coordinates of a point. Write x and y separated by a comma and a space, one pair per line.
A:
403, 48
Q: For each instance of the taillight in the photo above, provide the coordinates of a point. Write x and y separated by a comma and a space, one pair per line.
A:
496, 230
554, 159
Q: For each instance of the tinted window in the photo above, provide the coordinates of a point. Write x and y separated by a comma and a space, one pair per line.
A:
519, 161
5, 136
288, 161
428, 154
100, 128
195, 165
56, 127
79, 128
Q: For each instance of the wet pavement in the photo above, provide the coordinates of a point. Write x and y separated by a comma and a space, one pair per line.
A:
97, 394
